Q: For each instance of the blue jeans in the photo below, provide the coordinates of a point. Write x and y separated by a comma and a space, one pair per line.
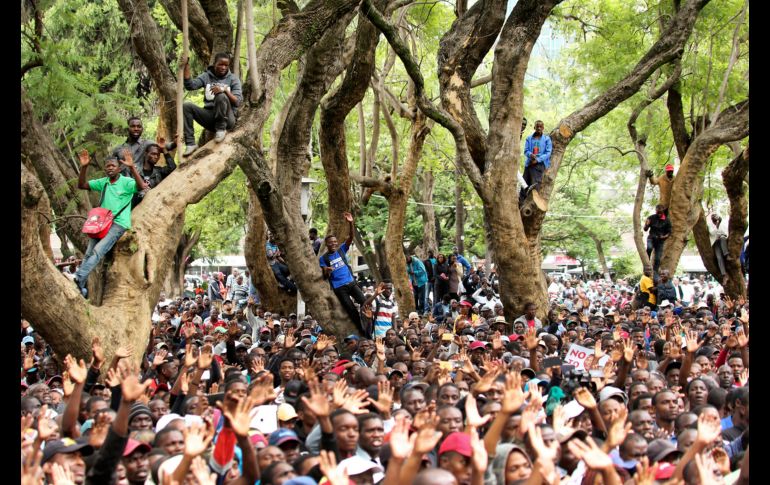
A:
421, 298
97, 248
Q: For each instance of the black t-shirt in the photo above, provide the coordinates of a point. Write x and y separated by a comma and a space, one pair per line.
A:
658, 226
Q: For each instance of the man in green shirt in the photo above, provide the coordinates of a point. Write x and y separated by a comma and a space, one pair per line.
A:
118, 191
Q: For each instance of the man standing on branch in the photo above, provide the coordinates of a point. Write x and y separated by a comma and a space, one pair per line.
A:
117, 193
222, 97
664, 183
660, 230
537, 153
336, 270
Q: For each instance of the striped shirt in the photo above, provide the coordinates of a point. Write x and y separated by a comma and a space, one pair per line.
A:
384, 311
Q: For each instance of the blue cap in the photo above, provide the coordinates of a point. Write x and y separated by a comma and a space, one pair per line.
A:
28, 340
352, 337
281, 436
303, 480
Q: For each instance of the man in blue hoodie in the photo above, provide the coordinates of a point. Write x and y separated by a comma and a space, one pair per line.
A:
222, 97
537, 155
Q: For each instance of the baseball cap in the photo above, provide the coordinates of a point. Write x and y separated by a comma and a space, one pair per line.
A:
356, 465
54, 378
659, 449
66, 445
466, 303
395, 371
611, 391
514, 337
528, 372
477, 345
352, 337
457, 442
306, 333
257, 437
664, 303
282, 436
220, 330
286, 412
264, 330
665, 471
133, 445
28, 340
669, 168
165, 420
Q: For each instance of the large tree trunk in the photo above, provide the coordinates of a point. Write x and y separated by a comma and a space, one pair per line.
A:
334, 110
733, 177
58, 176
271, 297
732, 125
174, 284
397, 200
143, 255
279, 195
426, 183
700, 232
459, 212
221, 27
369, 256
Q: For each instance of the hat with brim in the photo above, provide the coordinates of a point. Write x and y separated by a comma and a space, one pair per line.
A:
220, 330
283, 436
528, 372
566, 434
66, 445
458, 442
659, 449
476, 345
53, 379
356, 465
608, 392
133, 445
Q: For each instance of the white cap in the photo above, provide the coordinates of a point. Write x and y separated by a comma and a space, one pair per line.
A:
572, 409
355, 465
664, 303
165, 420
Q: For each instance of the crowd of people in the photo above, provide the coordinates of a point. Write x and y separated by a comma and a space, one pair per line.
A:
617, 383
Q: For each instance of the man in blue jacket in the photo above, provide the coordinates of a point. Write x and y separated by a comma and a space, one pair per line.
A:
222, 97
336, 270
418, 275
537, 155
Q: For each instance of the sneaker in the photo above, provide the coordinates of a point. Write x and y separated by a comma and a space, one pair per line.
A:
220, 136
189, 150
82, 288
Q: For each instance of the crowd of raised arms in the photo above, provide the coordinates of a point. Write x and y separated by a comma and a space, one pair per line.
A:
617, 384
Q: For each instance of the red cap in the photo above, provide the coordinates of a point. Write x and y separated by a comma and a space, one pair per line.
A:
132, 445
339, 367
457, 442
477, 345
258, 437
669, 168
466, 303
624, 334
514, 337
665, 471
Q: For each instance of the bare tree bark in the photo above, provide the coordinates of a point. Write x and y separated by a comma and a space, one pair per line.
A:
57, 175
426, 183
271, 297
238, 40
733, 177
174, 283
221, 27
201, 35
459, 212
732, 125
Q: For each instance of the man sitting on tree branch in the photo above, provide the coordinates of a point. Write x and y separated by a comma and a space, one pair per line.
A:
222, 97
537, 156
336, 269
117, 193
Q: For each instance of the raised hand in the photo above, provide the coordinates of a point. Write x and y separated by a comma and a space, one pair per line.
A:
400, 444
558, 419
472, 416
289, 342
591, 454
98, 352
67, 385
197, 438
384, 401
743, 340
497, 342
201, 472
317, 404
160, 357
238, 416
709, 429
645, 474
339, 393
44, 428
205, 357
124, 352
704, 465
62, 474
585, 398
618, 430
356, 402
77, 370
530, 339
331, 471
131, 388
380, 346
128, 159
513, 396
348, 216
598, 351
628, 350
84, 158
427, 437
323, 342
543, 452
29, 360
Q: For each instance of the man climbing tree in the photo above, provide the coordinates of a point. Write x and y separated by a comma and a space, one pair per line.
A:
664, 183
337, 271
537, 153
660, 230
117, 193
